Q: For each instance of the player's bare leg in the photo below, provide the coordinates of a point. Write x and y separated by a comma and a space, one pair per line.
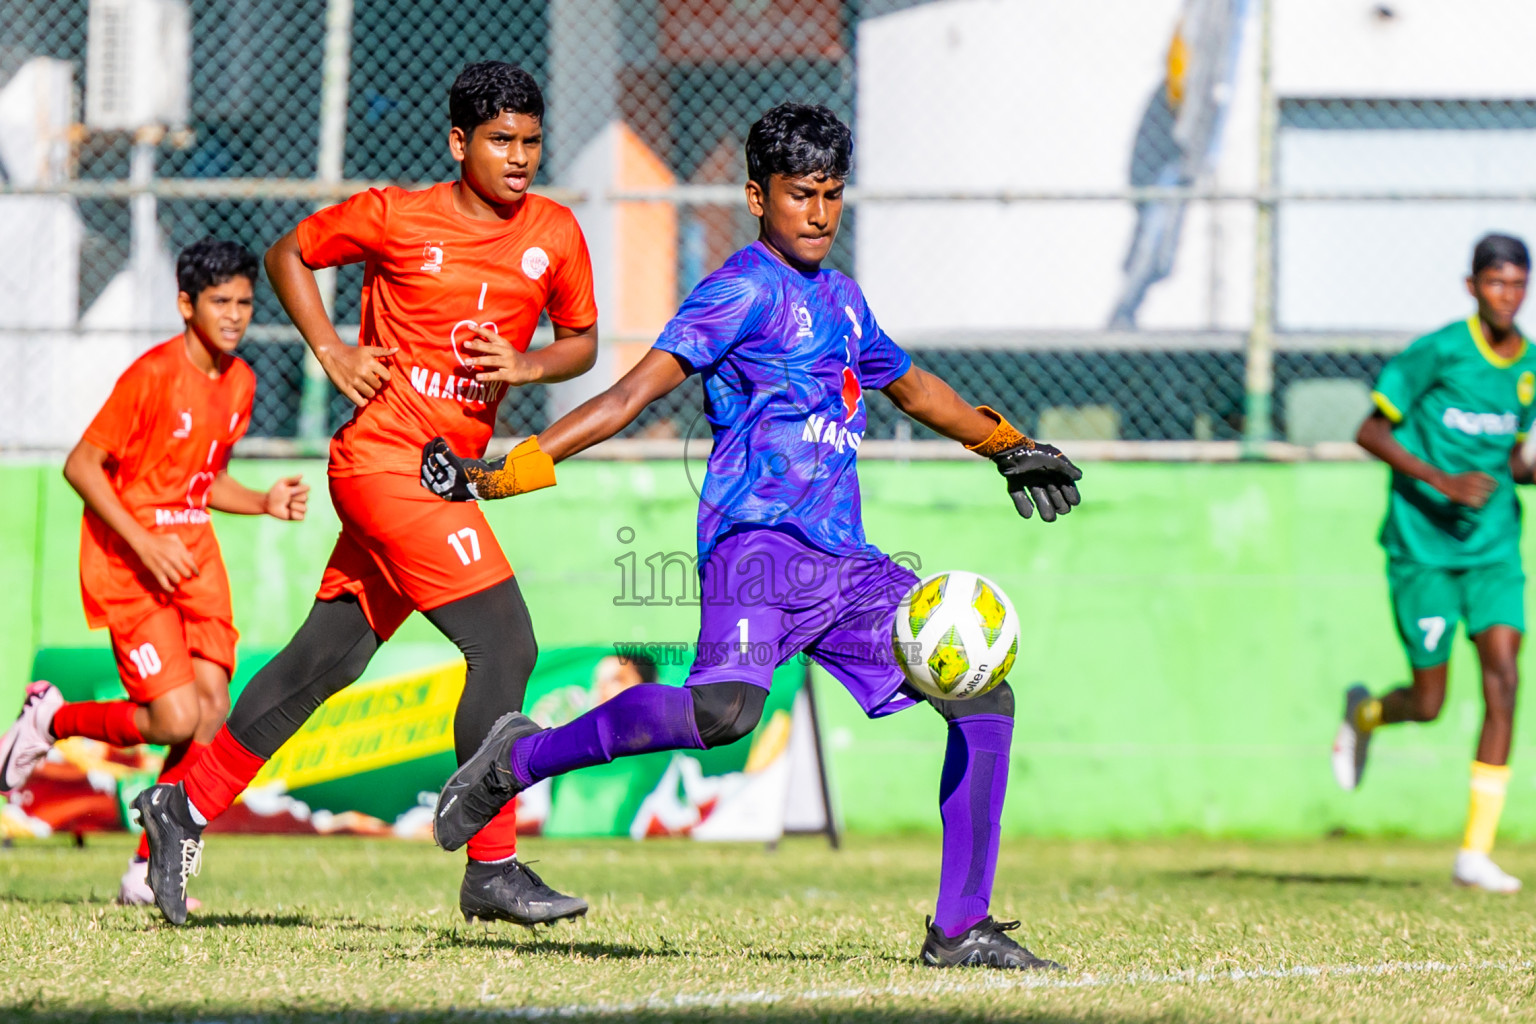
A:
1420, 701
1498, 649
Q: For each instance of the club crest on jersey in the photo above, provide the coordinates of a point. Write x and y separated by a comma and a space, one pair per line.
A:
1525, 388
184, 417
803, 318
432, 258
535, 262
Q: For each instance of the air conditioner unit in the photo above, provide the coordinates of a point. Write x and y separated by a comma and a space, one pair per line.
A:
137, 64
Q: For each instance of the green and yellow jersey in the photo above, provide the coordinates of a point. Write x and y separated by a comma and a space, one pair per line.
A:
1460, 407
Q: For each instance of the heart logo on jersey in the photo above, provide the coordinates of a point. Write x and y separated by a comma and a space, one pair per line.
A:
197, 490
853, 394
453, 337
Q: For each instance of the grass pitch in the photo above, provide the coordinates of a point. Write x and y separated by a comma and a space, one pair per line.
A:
1190, 930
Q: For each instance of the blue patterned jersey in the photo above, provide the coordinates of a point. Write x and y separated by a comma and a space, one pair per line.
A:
784, 357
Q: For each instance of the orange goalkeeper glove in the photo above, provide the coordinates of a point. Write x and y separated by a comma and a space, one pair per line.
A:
523, 469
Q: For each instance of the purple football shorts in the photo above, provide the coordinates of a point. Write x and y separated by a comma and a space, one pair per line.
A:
765, 596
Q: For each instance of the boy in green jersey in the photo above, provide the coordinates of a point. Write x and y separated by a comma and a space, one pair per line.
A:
1451, 412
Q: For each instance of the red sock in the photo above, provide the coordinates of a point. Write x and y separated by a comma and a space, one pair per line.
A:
177, 762
498, 840
110, 721
222, 772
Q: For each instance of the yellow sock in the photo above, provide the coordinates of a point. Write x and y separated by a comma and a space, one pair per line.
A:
1489, 782
1368, 714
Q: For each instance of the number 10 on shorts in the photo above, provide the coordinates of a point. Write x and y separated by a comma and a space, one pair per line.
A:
465, 544
146, 659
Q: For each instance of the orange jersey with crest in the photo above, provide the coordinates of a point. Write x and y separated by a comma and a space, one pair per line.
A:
167, 429
430, 275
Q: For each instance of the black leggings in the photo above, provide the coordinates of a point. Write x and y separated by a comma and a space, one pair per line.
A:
334, 645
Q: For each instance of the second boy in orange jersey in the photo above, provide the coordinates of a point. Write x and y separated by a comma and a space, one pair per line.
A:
456, 277
150, 466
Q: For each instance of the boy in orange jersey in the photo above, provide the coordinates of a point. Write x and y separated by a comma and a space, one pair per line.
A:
149, 467
456, 278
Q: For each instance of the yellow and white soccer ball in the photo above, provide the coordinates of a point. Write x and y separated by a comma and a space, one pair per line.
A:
956, 635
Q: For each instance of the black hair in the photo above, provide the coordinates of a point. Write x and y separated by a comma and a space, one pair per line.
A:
482, 91
1492, 250
211, 262
798, 139
644, 665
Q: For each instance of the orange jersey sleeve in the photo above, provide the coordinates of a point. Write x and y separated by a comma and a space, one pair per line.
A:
571, 302
433, 274
114, 428
349, 232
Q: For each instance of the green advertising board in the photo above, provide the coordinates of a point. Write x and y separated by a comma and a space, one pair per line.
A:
1204, 621
384, 746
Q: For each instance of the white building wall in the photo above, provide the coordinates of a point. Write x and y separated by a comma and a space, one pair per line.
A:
1037, 94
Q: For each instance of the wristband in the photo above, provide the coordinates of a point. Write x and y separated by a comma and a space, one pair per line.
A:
1003, 436
526, 468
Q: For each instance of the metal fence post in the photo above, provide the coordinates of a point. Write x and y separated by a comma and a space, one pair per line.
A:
1259, 379
335, 72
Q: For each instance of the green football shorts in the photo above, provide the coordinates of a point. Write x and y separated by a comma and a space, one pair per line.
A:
1430, 602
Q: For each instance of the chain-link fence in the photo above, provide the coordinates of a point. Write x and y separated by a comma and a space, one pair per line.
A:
1123, 220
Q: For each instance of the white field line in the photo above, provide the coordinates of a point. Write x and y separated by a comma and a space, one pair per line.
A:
985, 984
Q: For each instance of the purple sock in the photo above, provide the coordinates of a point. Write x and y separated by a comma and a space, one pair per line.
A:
637, 721
971, 792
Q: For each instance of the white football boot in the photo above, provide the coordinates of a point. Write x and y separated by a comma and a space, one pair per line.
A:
26, 743
134, 890
1350, 743
1478, 871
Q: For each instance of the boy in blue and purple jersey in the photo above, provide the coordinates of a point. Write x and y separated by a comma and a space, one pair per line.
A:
786, 350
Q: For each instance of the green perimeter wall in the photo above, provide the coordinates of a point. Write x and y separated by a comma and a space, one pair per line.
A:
1190, 630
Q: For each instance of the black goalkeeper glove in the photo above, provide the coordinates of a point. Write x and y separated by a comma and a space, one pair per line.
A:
525, 468
1039, 472
450, 477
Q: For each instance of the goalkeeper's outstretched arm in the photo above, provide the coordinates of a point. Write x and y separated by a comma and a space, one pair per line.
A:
1039, 476
597, 419
531, 465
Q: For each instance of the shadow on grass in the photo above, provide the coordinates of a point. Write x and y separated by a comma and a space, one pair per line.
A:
520, 940
512, 938
898, 1010
267, 921
57, 901
1292, 878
